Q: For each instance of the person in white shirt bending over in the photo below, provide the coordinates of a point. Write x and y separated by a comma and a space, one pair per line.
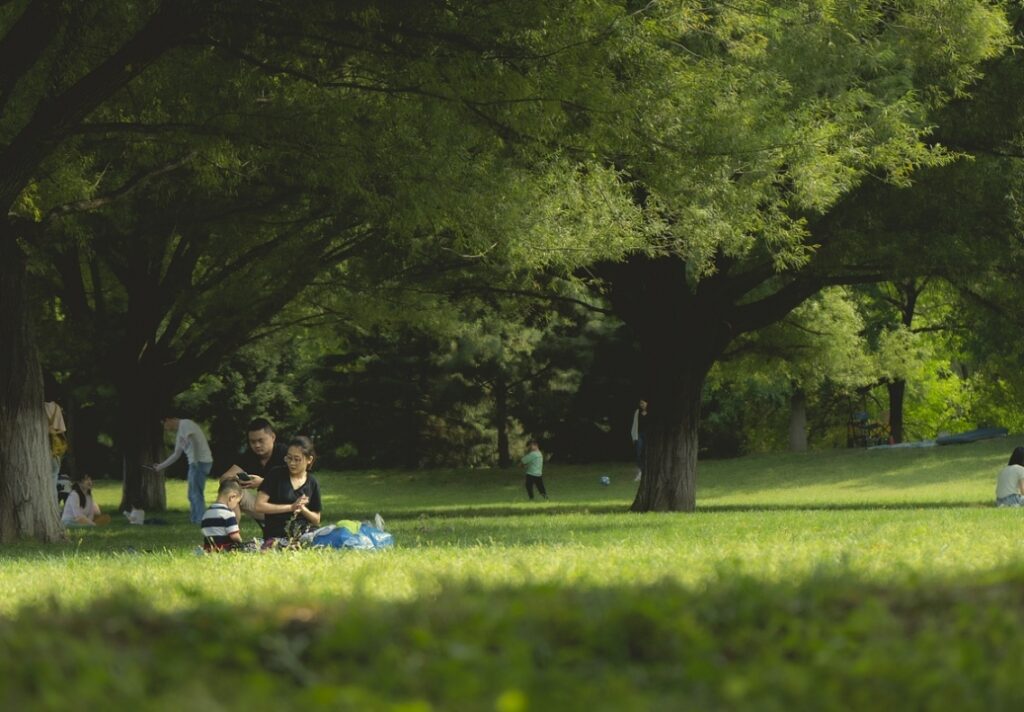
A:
189, 439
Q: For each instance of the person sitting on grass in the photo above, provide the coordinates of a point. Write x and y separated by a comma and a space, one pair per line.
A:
289, 497
1010, 483
220, 525
80, 509
533, 461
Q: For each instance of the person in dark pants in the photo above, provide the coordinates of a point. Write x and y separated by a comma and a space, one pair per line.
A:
639, 426
533, 462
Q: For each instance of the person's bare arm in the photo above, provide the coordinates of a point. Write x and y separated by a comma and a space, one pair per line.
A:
311, 516
232, 473
264, 506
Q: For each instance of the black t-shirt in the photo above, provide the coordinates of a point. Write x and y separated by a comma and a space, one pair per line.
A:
278, 486
641, 422
250, 462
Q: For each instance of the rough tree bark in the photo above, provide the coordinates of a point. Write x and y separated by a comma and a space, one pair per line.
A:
798, 421
28, 500
501, 419
683, 329
897, 393
140, 440
905, 302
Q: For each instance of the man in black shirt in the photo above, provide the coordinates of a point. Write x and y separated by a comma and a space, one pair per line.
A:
264, 453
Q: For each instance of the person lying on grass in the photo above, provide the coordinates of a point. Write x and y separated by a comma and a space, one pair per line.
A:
290, 496
1010, 483
220, 525
80, 509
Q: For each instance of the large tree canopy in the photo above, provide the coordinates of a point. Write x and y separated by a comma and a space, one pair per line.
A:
168, 163
771, 114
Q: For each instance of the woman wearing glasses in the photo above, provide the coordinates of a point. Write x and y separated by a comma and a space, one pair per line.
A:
290, 496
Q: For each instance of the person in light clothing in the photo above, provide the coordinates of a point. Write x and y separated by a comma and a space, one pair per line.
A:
190, 440
80, 509
1010, 483
533, 463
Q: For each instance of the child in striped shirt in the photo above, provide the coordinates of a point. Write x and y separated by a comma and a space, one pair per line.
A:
220, 526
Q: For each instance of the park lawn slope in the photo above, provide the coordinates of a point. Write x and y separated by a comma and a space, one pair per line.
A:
839, 580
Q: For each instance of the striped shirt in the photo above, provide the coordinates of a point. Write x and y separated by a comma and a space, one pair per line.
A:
219, 523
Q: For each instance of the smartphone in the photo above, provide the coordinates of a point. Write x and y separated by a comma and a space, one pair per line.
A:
244, 476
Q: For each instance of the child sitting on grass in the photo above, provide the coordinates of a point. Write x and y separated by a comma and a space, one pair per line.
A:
220, 526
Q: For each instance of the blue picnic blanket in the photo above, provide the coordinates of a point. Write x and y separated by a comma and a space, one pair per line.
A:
342, 537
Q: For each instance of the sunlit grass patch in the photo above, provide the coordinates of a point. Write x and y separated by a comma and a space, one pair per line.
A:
799, 578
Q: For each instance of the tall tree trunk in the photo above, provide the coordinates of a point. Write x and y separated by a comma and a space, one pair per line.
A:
71, 464
909, 291
680, 336
683, 329
28, 499
669, 483
140, 442
897, 391
501, 419
798, 421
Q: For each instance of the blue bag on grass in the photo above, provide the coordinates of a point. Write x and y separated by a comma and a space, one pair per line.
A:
367, 537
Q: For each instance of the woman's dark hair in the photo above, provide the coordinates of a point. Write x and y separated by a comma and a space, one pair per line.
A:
306, 445
1017, 456
76, 488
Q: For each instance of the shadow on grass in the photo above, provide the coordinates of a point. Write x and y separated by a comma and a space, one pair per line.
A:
842, 506
456, 512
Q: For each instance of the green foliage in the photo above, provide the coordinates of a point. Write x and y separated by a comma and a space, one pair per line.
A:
818, 350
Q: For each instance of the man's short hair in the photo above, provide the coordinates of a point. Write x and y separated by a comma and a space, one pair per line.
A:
260, 424
229, 487
532, 441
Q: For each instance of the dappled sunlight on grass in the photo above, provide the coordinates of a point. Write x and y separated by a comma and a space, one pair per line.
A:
882, 515
850, 566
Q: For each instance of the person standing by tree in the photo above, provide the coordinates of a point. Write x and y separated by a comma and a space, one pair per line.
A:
637, 432
57, 428
189, 439
263, 455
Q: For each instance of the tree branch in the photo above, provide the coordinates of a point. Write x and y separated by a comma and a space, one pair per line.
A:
131, 184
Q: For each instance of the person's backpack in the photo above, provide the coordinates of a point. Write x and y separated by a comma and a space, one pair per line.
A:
58, 441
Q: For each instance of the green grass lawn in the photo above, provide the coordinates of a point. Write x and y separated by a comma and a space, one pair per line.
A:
838, 580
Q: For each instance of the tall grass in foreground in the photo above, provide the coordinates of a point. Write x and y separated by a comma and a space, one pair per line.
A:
829, 580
